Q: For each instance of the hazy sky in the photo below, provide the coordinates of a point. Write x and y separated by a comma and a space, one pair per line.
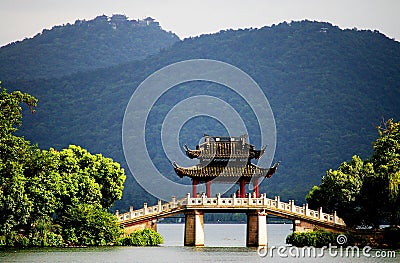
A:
26, 18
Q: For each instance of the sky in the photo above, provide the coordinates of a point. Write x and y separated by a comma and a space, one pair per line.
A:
21, 19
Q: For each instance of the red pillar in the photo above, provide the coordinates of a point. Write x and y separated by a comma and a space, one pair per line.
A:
208, 189
194, 186
256, 187
242, 188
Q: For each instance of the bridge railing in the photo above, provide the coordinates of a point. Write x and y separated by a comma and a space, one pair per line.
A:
232, 202
150, 210
263, 201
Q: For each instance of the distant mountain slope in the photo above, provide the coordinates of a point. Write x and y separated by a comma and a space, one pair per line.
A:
82, 46
327, 87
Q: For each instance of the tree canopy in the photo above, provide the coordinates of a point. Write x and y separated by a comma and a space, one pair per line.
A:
15, 152
386, 163
40, 189
365, 192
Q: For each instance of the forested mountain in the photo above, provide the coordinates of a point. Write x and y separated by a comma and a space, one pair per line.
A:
82, 46
328, 88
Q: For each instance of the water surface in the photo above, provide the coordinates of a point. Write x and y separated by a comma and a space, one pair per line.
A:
223, 243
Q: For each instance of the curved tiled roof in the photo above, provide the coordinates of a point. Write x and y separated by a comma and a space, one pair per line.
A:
224, 150
213, 171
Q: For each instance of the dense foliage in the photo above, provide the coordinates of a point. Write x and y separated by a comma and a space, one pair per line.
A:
340, 190
83, 46
317, 238
327, 88
365, 192
386, 182
144, 237
89, 225
49, 197
15, 206
321, 238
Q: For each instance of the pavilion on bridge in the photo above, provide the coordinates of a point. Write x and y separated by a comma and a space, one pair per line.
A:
225, 160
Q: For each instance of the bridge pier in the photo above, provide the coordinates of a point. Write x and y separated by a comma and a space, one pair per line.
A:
256, 229
194, 228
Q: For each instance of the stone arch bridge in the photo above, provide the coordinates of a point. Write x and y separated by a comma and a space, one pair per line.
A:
256, 208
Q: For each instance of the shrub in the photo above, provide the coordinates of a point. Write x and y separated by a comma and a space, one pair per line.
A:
13, 239
21, 241
89, 225
54, 240
145, 237
45, 233
324, 238
317, 238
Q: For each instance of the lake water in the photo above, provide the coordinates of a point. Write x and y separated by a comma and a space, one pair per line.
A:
223, 243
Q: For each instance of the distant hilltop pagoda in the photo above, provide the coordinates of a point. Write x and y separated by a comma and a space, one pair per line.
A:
225, 159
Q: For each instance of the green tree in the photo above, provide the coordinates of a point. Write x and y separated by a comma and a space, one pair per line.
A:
386, 162
365, 192
43, 184
15, 206
39, 187
340, 190
88, 185
87, 178
89, 224
10, 114
78, 184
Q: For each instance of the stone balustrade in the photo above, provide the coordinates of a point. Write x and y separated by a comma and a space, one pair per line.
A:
233, 202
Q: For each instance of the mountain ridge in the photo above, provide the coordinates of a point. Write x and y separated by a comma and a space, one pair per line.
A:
83, 46
326, 86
